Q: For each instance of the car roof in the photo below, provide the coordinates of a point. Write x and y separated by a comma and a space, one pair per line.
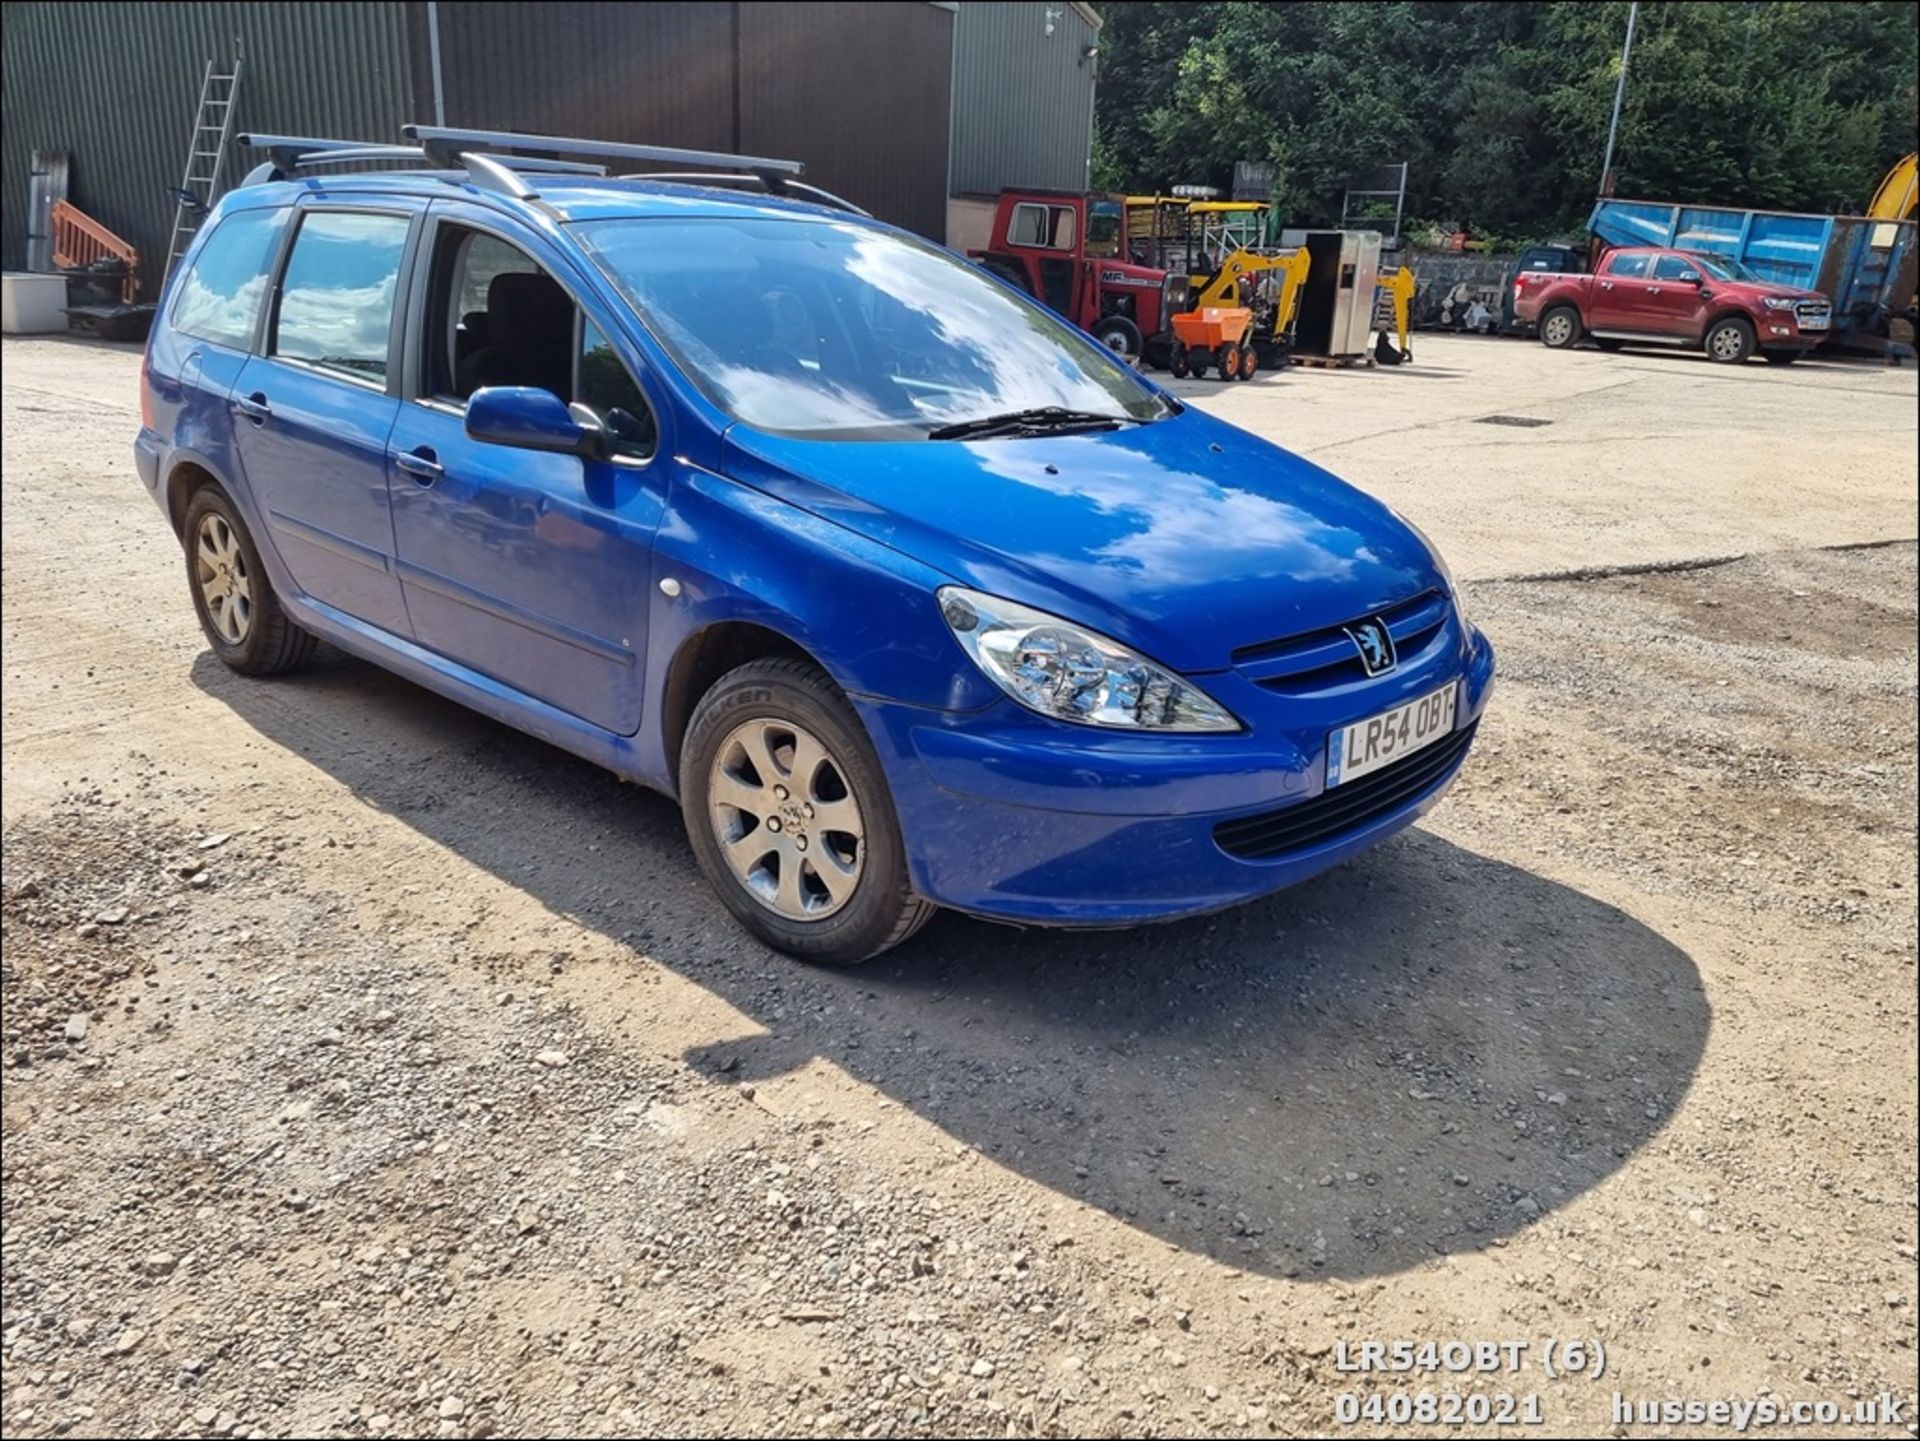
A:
569, 197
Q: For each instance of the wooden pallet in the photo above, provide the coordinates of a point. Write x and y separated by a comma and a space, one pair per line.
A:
1334, 362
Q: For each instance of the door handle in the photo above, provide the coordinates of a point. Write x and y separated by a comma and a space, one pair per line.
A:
1653, 290
420, 464
1606, 285
254, 407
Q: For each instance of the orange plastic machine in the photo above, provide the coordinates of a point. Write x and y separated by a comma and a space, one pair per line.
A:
1214, 336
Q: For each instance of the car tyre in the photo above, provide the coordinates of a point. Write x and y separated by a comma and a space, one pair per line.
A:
1731, 340
241, 615
1560, 328
790, 817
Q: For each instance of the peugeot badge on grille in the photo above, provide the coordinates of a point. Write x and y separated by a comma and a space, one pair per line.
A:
1375, 643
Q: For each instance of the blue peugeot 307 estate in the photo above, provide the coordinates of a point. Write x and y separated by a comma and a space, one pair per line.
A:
909, 591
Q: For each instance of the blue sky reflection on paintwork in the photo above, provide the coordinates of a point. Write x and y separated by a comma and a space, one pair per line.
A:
1183, 527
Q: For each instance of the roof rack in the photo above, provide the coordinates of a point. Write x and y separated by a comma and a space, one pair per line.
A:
792, 188
292, 153
444, 146
738, 172
499, 160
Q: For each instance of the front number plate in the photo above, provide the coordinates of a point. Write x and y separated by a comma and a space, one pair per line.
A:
1381, 740
1813, 322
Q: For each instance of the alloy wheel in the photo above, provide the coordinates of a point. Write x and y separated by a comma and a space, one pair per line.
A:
789, 827
1559, 330
220, 569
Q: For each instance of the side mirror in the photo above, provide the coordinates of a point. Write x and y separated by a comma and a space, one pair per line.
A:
528, 418
1692, 277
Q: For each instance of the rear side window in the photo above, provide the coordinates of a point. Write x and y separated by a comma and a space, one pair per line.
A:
1674, 267
220, 296
1629, 267
336, 298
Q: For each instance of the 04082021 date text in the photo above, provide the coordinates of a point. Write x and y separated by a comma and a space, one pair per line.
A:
1439, 1408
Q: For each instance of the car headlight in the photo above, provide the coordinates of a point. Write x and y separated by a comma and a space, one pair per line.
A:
1070, 673
1775, 303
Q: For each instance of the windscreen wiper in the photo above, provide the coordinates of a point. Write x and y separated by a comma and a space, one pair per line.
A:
1040, 420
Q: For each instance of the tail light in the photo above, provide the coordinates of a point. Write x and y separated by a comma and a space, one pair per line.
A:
146, 390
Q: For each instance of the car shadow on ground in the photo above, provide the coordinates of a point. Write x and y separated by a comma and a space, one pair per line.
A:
1417, 1054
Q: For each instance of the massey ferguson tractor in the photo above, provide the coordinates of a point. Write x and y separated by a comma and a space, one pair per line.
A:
1069, 252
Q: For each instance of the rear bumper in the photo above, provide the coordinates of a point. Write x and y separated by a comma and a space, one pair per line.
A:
1010, 816
146, 460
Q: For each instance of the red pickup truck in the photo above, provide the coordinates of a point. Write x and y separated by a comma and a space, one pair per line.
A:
1673, 297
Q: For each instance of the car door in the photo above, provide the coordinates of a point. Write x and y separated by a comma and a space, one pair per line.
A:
529, 567
1676, 303
1619, 293
313, 410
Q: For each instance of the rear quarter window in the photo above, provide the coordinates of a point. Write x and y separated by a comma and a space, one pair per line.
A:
220, 295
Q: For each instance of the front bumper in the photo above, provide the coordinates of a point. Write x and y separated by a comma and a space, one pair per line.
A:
1783, 330
1011, 816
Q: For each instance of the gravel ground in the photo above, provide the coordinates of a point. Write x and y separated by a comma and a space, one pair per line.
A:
373, 1070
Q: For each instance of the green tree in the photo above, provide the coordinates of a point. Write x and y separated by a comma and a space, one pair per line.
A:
1501, 109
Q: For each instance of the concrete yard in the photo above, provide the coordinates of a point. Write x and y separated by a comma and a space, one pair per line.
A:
371, 1069
1647, 456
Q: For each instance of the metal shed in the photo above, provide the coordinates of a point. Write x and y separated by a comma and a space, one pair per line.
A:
860, 91
1024, 76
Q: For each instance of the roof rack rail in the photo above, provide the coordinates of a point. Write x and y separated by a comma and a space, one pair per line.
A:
291, 153
288, 153
497, 160
792, 188
445, 146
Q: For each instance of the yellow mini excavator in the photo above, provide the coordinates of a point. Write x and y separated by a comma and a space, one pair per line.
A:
1899, 194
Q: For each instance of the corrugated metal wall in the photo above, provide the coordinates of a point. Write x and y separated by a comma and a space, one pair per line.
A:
659, 74
115, 86
1022, 99
859, 91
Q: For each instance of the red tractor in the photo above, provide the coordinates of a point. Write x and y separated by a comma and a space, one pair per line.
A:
1069, 252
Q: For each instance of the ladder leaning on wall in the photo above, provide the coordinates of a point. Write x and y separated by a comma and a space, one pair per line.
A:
206, 153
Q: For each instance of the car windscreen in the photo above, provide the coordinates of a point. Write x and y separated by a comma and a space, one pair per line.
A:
820, 328
1722, 269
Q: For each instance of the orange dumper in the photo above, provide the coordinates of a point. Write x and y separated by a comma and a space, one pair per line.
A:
1214, 336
